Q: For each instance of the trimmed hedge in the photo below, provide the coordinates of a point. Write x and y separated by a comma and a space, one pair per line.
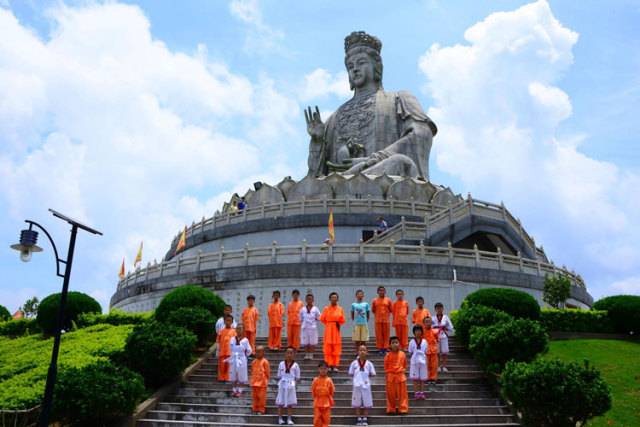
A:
19, 328
159, 351
189, 296
77, 303
624, 312
519, 304
576, 320
551, 393
520, 340
476, 315
115, 317
98, 394
195, 319
4, 313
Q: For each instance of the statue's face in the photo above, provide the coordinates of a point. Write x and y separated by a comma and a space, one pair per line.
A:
361, 69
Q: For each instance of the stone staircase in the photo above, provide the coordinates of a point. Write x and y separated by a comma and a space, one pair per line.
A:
461, 398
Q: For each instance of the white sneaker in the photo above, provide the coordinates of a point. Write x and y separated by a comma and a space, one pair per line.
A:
444, 369
281, 421
364, 422
290, 421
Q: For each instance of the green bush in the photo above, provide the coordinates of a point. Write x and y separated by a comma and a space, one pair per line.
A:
189, 296
159, 351
624, 312
115, 317
19, 328
4, 313
98, 394
520, 340
476, 315
557, 289
551, 393
576, 320
519, 304
195, 319
77, 303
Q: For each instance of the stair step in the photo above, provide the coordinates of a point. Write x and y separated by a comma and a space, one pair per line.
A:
433, 400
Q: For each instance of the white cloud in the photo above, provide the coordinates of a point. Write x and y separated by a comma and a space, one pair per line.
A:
107, 124
498, 107
260, 38
629, 285
320, 83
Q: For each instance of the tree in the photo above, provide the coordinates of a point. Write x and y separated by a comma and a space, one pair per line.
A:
30, 307
556, 290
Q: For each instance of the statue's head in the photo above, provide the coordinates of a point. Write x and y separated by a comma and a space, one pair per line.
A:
362, 59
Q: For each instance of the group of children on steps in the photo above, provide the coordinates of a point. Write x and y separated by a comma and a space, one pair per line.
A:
428, 350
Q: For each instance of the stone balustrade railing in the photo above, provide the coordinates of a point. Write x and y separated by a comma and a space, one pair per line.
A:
382, 253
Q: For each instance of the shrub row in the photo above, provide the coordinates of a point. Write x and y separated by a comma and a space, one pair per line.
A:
576, 320
19, 328
115, 317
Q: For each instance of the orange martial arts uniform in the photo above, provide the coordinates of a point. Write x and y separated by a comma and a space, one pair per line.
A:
275, 313
293, 323
332, 317
260, 373
322, 390
431, 336
418, 315
395, 365
250, 318
224, 351
401, 322
381, 308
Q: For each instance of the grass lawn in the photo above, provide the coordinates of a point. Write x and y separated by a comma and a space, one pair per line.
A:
619, 364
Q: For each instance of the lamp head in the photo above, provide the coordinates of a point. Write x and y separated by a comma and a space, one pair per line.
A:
27, 245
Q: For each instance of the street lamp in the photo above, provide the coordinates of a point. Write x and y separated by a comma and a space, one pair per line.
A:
27, 245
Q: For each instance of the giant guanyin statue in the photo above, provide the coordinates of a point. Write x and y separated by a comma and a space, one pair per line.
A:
375, 132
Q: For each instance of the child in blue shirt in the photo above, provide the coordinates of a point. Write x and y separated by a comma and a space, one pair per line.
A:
360, 313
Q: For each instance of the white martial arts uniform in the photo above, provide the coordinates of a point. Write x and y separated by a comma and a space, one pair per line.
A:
220, 325
418, 363
238, 364
309, 329
447, 329
287, 385
361, 396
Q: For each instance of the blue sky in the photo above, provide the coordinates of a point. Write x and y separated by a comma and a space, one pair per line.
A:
126, 115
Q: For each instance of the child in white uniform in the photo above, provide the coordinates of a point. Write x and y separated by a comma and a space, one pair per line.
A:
288, 375
238, 369
418, 363
443, 324
309, 316
361, 398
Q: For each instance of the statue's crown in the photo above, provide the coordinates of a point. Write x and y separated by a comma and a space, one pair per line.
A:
360, 38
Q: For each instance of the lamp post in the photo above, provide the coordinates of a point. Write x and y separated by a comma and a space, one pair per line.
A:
27, 245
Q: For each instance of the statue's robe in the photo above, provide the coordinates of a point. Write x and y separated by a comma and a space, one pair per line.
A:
390, 124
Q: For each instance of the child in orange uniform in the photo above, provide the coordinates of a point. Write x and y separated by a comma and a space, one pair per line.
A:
322, 390
420, 312
431, 336
293, 320
401, 319
381, 308
275, 313
250, 318
332, 316
224, 347
260, 373
395, 364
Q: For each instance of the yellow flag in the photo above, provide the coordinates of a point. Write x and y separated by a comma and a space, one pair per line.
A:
138, 257
332, 232
121, 273
183, 240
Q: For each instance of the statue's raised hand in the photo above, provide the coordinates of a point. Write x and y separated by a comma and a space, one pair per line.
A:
315, 127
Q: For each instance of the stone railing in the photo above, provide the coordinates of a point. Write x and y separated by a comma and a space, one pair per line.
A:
381, 253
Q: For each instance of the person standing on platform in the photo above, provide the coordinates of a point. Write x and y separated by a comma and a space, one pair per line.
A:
293, 320
322, 390
260, 373
224, 347
395, 365
431, 336
420, 312
333, 317
288, 377
238, 361
442, 323
360, 314
276, 314
381, 308
250, 317
418, 363
361, 397
401, 319
309, 316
